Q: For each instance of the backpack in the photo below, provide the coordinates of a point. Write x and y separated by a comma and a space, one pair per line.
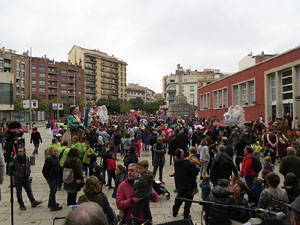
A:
256, 164
68, 175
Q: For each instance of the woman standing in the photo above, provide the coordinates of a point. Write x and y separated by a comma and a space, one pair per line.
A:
120, 177
74, 127
51, 172
73, 162
204, 158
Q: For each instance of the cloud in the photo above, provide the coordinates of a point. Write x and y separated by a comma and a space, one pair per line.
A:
153, 36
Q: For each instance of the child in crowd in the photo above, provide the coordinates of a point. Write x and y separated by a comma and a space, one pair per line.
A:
120, 177
86, 156
257, 149
270, 152
97, 172
81, 148
111, 167
54, 130
75, 142
205, 188
143, 189
100, 144
267, 168
256, 189
138, 147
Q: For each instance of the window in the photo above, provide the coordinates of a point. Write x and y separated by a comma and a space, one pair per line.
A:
42, 74
33, 88
287, 85
172, 81
64, 78
23, 66
216, 99
6, 93
42, 82
205, 101
225, 92
42, 89
244, 94
252, 92
63, 91
33, 66
273, 87
17, 65
23, 74
192, 88
236, 94
33, 81
184, 80
42, 68
220, 96
18, 74
64, 84
33, 74
42, 96
63, 71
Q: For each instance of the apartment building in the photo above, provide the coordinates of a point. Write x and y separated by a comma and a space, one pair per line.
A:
135, 90
17, 64
56, 80
105, 75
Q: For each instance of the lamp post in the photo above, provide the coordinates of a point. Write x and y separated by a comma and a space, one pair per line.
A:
30, 89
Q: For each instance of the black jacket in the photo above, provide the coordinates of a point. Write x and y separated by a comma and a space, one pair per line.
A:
222, 167
185, 175
183, 141
21, 170
35, 137
218, 214
240, 215
51, 168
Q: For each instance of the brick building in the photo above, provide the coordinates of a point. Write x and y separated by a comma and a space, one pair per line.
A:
270, 88
56, 80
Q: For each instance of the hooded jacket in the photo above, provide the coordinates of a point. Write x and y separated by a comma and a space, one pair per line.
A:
143, 185
218, 214
185, 175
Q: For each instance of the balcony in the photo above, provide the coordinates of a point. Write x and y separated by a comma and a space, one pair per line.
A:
89, 60
88, 84
90, 79
7, 65
90, 91
90, 72
171, 91
88, 66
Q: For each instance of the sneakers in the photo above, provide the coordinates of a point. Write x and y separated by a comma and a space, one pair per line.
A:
23, 207
56, 208
35, 203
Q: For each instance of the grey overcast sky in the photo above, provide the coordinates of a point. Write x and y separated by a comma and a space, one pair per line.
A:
153, 36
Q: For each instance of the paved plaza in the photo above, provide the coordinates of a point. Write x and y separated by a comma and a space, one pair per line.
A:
41, 215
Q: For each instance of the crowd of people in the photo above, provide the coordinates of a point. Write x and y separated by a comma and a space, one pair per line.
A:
229, 165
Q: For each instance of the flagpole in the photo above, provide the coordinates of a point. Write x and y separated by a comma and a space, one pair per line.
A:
30, 89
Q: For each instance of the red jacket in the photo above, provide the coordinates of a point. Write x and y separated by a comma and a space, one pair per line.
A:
111, 164
247, 169
125, 193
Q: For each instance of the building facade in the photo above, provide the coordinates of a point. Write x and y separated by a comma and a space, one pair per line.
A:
135, 90
56, 80
105, 76
270, 88
250, 60
18, 64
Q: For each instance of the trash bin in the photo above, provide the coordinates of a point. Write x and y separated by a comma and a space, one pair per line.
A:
32, 160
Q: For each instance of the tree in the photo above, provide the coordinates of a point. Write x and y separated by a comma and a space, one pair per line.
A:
42, 105
137, 103
80, 101
18, 104
125, 107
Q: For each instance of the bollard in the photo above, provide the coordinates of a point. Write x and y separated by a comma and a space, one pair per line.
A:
32, 160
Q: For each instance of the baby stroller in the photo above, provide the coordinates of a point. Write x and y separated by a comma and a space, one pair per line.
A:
160, 188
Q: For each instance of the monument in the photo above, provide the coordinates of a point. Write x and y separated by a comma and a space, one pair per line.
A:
180, 107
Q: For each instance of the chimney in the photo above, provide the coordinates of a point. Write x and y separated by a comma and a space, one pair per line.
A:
3, 50
45, 57
262, 54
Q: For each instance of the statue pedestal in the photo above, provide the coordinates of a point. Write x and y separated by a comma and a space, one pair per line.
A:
180, 107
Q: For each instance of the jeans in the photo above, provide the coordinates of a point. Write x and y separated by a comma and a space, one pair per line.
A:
53, 189
117, 149
203, 168
143, 206
27, 186
111, 174
36, 148
60, 181
178, 203
161, 167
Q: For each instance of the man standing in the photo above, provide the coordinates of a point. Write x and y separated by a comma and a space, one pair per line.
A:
51, 171
36, 138
185, 178
126, 202
222, 166
159, 150
290, 163
21, 173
